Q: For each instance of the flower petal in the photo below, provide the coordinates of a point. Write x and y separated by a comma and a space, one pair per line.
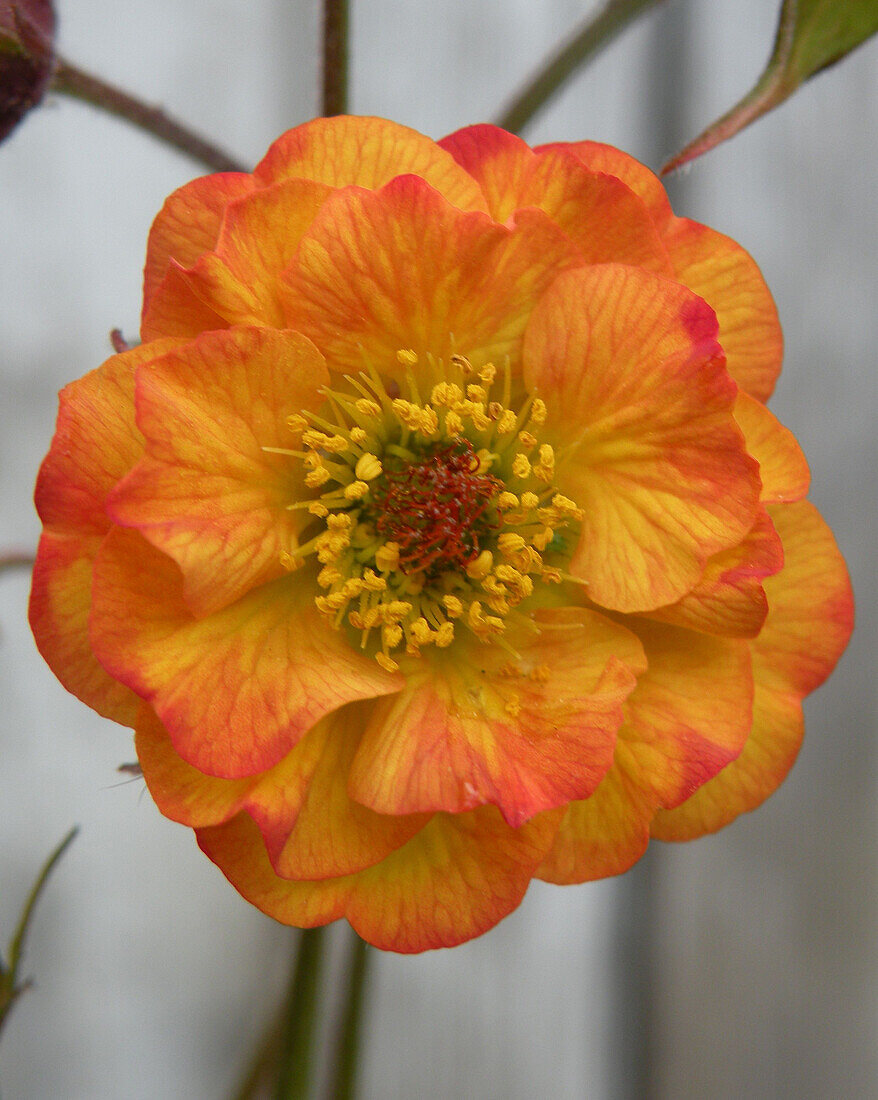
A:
729, 599
238, 849
175, 310
687, 719
240, 280
238, 689
727, 277
60, 603
181, 791
456, 879
712, 265
206, 493
601, 215
634, 380
189, 223
797, 649
604, 834
690, 713
811, 609
311, 828
402, 268
332, 835
605, 158
470, 729
769, 754
782, 466
96, 441
366, 152
261, 234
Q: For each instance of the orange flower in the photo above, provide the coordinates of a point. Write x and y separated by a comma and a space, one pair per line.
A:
437, 536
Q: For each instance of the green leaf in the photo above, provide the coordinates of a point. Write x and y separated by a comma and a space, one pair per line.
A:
811, 35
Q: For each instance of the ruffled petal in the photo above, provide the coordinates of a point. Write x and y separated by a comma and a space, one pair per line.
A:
729, 599
60, 603
206, 492
175, 310
311, 828
797, 649
238, 849
604, 835
240, 280
260, 236
771, 750
96, 441
471, 729
601, 215
783, 469
189, 223
235, 690
605, 158
811, 605
636, 387
691, 712
333, 835
366, 152
402, 268
727, 277
454, 880
688, 717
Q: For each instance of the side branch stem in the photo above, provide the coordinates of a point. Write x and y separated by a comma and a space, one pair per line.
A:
9, 987
13, 559
597, 31
335, 57
71, 81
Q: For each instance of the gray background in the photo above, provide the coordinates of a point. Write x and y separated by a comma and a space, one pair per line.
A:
742, 965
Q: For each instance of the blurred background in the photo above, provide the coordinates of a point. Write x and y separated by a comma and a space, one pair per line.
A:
745, 964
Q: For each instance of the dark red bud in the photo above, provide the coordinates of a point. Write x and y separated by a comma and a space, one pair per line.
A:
27, 57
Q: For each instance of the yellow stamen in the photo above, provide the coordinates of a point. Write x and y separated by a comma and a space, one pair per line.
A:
481, 567
368, 467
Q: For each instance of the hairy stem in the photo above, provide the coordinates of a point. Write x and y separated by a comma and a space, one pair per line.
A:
335, 57
74, 82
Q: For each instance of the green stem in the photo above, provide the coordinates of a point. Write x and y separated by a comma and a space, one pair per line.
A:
335, 57
596, 32
344, 1084
294, 1066
9, 988
71, 81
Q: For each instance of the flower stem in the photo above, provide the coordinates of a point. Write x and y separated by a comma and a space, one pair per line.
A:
9, 987
294, 1065
335, 57
71, 81
595, 33
346, 1054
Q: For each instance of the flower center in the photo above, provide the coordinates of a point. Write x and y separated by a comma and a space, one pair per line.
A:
434, 508
434, 514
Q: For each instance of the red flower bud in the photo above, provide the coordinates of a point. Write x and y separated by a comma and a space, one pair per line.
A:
27, 57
